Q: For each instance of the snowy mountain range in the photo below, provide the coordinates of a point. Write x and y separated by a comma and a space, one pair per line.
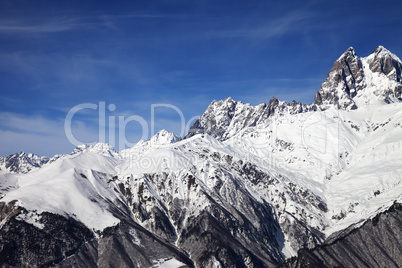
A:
281, 183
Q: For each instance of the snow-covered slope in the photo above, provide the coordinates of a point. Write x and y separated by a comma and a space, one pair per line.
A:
247, 186
350, 159
75, 185
24, 163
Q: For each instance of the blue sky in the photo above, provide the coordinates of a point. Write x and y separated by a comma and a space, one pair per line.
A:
55, 55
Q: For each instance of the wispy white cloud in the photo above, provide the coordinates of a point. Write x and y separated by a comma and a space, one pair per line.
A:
51, 26
58, 75
69, 70
272, 28
13, 141
30, 124
40, 135
56, 25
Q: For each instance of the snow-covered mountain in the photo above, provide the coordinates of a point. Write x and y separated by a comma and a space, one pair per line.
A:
352, 82
23, 162
247, 186
223, 119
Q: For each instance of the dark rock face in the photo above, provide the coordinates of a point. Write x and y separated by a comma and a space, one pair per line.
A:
347, 78
65, 242
220, 233
126, 245
384, 62
377, 243
346, 74
210, 242
208, 122
23, 244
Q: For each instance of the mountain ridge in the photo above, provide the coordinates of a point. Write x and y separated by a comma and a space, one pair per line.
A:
347, 67
343, 88
252, 186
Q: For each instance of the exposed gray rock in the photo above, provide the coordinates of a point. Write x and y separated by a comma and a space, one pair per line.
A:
65, 242
343, 82
348, 78
383, 61
126, 245
22, 162
24, 245
377, 243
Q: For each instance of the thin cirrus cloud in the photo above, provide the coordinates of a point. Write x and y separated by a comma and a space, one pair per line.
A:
29, 124
57, 25
39, 125
51, 26
277, 27
60, 75
40, 134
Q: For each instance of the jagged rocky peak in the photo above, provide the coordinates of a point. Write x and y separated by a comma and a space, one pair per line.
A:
273, 102
343, 82
22, 162
383, 61
215, 119
355, 81
223, 109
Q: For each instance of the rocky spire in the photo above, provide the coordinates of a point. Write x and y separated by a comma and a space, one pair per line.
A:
383, 61
343, 82
215, 120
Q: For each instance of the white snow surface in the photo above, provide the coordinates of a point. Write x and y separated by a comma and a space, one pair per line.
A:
32, 218
350, 158
98, 148
160, 139
377, 85
168, 263
71, 186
